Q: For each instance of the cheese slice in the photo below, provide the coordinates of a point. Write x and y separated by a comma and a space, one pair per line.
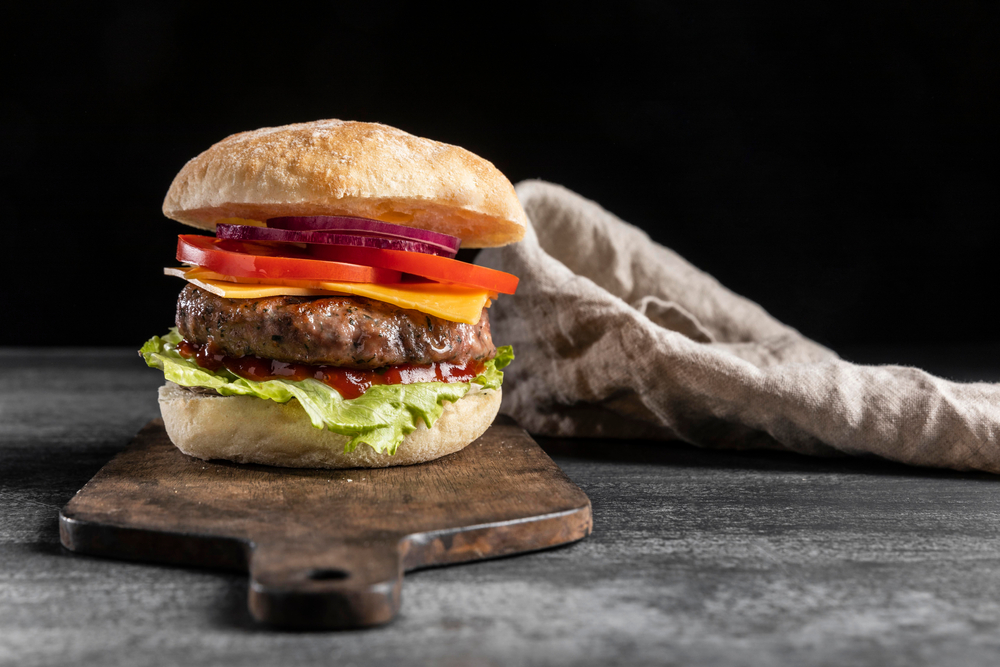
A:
456, 303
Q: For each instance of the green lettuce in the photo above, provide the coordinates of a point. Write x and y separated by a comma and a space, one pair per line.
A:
381, 417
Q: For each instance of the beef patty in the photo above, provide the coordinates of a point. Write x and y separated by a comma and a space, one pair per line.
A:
353, 332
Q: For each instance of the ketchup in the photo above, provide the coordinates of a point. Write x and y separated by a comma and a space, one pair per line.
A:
349, 382
203, 355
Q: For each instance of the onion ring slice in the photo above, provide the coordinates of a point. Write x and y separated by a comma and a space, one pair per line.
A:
367, 227
250, 233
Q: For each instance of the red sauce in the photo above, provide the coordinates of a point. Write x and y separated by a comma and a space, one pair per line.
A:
202, 354
349, 382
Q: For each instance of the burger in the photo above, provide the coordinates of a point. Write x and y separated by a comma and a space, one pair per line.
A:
327, 322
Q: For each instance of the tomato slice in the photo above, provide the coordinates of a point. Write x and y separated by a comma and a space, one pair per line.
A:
258, 260
434, 267
333, 263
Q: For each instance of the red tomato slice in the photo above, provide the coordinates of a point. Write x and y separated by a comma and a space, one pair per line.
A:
257, 260
434, 267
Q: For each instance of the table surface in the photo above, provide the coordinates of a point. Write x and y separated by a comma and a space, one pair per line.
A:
697, 557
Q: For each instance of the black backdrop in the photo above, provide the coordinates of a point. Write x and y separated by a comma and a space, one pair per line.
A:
836, 163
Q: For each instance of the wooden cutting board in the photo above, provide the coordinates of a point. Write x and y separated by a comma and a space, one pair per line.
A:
325, 548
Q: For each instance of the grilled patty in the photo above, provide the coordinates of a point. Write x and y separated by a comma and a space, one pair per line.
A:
352, 332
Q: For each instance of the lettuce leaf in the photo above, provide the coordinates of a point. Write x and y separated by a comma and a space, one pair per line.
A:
380, 418
491, 377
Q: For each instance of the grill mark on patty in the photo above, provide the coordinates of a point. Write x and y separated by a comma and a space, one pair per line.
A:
352, 332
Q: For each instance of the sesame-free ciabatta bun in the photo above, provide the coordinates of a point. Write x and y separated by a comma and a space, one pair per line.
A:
246, 429
334, 167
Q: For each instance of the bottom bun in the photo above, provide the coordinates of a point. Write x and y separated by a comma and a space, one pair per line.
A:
253, 430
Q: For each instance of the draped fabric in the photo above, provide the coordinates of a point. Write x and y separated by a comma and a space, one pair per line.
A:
617, 336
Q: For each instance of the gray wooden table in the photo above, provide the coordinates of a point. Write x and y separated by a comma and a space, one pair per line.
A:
697, 557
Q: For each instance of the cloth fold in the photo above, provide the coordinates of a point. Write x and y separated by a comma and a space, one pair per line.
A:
617, 336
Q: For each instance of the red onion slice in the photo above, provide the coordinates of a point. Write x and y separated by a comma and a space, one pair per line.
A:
251, 233
366, 227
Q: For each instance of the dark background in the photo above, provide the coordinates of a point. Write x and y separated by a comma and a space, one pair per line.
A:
835, 162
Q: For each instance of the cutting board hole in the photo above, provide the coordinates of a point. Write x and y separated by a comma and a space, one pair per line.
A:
327, 575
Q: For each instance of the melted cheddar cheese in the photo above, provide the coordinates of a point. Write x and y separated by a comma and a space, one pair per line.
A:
456, 303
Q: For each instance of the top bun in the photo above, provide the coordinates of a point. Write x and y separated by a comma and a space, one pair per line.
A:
335, 167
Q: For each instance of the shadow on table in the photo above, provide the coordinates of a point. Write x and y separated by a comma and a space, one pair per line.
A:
676, 453
48, 476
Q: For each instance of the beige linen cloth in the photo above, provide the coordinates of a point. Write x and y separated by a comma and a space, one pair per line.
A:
617, 336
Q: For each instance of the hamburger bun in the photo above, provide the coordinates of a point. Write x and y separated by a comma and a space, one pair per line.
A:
331, 168
334, 167
245, 429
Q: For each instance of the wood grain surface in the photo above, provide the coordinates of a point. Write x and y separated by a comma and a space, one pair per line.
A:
326, 548
699, 557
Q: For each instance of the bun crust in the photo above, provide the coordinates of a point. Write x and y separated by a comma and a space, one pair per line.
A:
333, 167
252, 430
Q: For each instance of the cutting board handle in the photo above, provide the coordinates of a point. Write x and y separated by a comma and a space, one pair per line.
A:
323, 585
